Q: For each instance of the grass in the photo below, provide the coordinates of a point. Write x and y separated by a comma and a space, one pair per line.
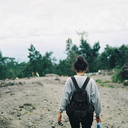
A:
98, 81
104, 83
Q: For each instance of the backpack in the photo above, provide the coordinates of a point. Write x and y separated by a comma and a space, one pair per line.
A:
79, 104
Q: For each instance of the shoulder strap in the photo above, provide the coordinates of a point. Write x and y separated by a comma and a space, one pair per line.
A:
86, 82
75, 83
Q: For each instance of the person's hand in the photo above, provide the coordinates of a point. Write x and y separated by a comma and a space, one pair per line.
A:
59, 116
98, 119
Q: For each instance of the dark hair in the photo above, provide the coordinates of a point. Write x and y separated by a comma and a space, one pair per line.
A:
80, 64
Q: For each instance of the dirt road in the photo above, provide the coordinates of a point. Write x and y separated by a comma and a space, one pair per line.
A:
34, 102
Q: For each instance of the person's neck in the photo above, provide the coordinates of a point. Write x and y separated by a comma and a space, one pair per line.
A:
80, 73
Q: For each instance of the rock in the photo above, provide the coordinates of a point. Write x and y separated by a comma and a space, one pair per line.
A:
57, 79
51, 75
126, 82
105, 72
27, 104
17, 78
12, 94
29, 124
34, 107
18, 115
21, 106
124, 71
20, 83
10, 84
3, 84
39, 83
30, 109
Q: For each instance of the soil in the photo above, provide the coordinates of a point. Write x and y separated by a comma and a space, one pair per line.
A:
33, 103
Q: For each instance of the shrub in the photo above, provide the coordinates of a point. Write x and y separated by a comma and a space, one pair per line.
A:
116, 77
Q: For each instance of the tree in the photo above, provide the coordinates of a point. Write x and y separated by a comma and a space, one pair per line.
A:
20, 67
35, 58
10, 67
123, 55
2, 67
72, 52
47, 63
64, 68
39, 63
91, 54
109, 59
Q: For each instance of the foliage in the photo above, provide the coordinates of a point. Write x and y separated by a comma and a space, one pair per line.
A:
116, 77
113, 57
110, 58
91, 54
104, 83
72, 53
2, 67
38, 63
98, 81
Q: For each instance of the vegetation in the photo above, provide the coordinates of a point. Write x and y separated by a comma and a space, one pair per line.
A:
104, 83
116, 77
110, 58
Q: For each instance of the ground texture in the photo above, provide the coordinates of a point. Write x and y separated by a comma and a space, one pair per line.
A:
33, 103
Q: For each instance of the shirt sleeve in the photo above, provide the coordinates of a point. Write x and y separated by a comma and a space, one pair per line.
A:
95, 98
65, 95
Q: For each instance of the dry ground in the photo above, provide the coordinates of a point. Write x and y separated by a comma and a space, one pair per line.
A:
33, 103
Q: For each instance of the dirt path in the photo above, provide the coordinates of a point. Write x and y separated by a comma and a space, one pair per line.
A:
33, 103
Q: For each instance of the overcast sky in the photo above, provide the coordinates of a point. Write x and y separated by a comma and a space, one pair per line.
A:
47, 24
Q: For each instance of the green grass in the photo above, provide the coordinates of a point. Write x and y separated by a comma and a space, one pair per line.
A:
32, 105
107, 81
103, 83
98, 81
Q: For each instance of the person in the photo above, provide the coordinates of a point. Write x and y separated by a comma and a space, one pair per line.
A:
32, 74
37, 74
81, 67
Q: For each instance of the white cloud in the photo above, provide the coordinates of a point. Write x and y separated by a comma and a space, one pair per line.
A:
49, 23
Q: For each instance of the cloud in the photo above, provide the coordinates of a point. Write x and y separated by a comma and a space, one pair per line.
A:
48, 24
112, 19
56, 18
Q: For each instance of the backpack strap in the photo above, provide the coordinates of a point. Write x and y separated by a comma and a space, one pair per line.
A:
75, 83
86, 82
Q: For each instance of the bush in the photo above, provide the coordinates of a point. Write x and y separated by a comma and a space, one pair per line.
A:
116, 77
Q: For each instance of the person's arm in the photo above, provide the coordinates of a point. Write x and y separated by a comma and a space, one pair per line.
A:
65, 98
95, 99
59, 117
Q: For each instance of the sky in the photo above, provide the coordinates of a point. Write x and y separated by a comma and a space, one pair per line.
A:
47, 24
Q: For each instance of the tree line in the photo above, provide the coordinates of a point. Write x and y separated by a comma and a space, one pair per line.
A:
110, 58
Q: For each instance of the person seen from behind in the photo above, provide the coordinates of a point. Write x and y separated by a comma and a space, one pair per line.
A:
93, 97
